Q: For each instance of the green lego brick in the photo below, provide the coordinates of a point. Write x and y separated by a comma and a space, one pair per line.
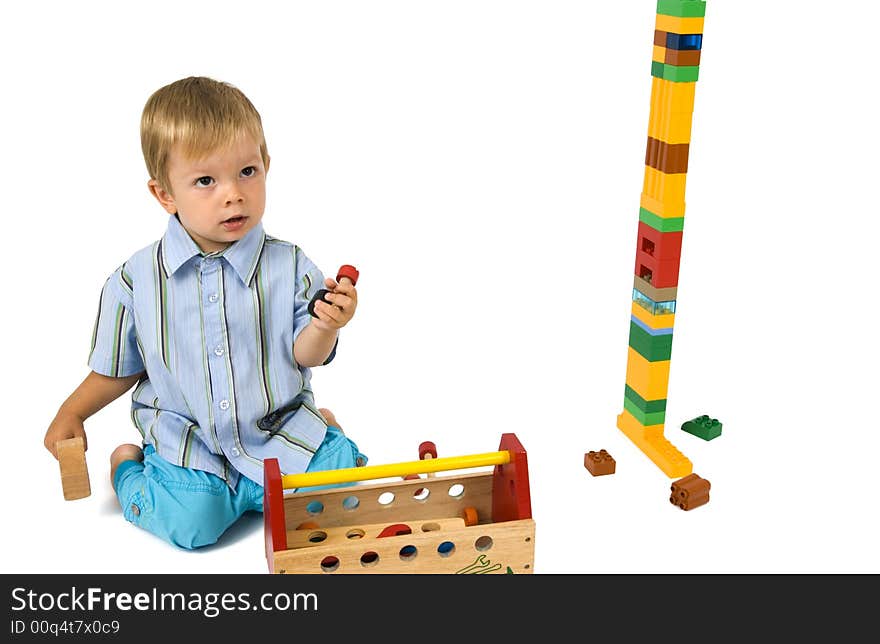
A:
675, 74
646, 406
671, 225
653, 347
657, 69
682, 8
703, 427
653, 418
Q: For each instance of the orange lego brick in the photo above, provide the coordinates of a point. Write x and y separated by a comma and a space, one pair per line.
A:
599, 463
671, 158
690, 492
679, 58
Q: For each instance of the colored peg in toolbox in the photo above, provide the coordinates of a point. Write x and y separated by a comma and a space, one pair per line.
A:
427, 450
346, 271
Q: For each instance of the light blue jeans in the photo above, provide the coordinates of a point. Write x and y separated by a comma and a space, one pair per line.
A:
191, 508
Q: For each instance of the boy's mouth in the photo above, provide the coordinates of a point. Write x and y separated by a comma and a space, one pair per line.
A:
233, 223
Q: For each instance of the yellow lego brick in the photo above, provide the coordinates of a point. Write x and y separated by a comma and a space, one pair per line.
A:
679, 25
663, 209
672, 97
649, 379
672, 111
659, 54
664, 187
656, 322
654, 444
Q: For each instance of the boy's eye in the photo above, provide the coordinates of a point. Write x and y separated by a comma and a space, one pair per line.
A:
204, 181
249, 171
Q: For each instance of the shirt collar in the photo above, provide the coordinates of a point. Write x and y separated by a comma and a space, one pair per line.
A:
177, 247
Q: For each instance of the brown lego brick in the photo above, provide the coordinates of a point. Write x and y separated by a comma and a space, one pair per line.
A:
683, 57
671, 158
599, 463
656, 294
74, 472
660, 38
690, 492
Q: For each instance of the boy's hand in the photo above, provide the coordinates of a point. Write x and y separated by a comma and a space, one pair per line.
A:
340, 310
63, 427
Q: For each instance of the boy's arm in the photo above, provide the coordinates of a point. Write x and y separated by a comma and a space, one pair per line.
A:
93, 394
313, 346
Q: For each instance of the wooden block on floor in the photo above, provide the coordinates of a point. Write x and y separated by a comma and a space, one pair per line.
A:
74, 472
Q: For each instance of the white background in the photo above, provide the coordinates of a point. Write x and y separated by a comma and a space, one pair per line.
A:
481, 164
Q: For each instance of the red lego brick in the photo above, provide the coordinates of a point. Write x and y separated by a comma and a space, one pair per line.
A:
657, 274
663, 247
599, 463
690, 492
658, 256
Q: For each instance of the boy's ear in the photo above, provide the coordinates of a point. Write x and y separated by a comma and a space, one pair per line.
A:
165, 199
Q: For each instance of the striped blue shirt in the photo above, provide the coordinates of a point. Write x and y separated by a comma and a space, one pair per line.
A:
214, 333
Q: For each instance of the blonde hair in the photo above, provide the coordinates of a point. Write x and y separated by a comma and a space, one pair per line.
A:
201, 114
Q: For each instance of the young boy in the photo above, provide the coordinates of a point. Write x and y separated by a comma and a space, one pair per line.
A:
211, 322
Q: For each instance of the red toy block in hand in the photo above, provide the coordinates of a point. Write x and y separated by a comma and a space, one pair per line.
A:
346, 271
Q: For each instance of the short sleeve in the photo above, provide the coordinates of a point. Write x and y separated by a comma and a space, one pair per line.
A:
309, 280
115, 349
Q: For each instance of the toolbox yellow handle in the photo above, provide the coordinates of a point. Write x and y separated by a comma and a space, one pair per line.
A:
351, 474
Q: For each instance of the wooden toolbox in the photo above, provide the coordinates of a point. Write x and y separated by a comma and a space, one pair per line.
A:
474, 522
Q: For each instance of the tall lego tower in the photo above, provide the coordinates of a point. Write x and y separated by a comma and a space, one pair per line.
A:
678, 38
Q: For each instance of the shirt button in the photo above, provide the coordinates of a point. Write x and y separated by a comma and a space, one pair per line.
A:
135, 510
209, 261
224, 405
213, 297
235, 452
218, 351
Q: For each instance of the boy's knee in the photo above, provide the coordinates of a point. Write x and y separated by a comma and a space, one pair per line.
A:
188, 523
199, 527
329, 417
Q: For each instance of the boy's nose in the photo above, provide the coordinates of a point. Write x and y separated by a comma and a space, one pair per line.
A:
234, 195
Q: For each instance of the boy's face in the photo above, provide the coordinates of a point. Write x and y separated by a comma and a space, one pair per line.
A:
219, 197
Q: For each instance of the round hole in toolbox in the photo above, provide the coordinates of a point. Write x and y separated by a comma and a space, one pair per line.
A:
369, 558
386, 498
430, 527
421, 494
329, 563
445, 549
456, 490
355, 533
350, 502
483, 543
315, 507
317, 536
408, 553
